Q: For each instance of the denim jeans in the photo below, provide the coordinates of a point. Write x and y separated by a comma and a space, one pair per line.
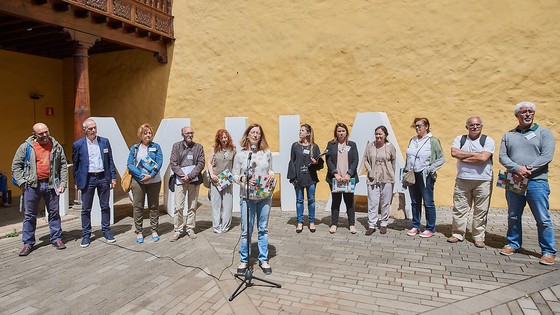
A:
31, 199
310, 202
261, 208
537, 198
423, 191
4, 188
103, 188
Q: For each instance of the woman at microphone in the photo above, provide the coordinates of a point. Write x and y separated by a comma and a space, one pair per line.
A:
305, 160
253, 164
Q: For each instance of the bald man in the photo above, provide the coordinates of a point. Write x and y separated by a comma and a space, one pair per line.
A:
39, 169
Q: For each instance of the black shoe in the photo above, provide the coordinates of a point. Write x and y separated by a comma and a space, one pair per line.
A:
25, 251
267, 270
241, 271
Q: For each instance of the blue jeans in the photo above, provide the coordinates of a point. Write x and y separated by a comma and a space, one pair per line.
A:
423, 191
103, 192
4, 188
310, 202
31, 197
262, 209
537, 198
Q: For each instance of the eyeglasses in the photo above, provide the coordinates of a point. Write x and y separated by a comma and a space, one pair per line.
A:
418, 126
527, 111
475, 125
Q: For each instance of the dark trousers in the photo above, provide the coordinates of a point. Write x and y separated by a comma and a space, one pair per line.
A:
335, 207
32, 196
103, 189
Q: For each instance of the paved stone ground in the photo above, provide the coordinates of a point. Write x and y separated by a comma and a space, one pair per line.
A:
319, 273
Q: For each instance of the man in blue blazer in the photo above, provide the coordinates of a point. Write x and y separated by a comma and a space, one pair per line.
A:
94, 169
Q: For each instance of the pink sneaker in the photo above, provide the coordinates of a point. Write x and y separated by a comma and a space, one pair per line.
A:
426, 234
412, 232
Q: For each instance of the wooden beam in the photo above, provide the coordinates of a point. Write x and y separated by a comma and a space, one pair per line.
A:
44, 14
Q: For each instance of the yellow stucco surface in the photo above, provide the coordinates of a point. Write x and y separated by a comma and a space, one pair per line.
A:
327, 60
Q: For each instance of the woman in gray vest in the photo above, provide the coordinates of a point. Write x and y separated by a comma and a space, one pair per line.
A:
220, 165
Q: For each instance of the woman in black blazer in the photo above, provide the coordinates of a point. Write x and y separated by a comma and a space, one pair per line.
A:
342, 163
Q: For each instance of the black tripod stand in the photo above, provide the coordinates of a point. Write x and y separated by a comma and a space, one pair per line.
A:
248, 276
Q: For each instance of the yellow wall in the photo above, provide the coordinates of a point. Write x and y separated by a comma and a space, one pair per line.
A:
327, 60
20, 76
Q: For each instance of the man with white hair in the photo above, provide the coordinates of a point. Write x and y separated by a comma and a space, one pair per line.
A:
526, 152
473, 186
94, 170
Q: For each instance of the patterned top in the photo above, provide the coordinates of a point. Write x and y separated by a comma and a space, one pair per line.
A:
261, 165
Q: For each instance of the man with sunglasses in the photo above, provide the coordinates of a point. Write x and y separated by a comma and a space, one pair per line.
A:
526, 152
187, 162
94, 170
39, 168
473, 185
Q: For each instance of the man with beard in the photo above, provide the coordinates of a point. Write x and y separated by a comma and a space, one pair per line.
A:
526, 152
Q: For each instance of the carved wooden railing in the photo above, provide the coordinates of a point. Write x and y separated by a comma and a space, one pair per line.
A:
153, 16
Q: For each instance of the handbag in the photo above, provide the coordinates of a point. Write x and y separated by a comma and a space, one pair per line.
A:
171, 184
408, 178
206, 179
126, 180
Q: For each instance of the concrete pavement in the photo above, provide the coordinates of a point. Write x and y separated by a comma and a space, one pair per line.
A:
319, 272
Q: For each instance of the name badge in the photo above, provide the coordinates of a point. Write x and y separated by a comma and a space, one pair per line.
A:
305, 151
530, 135
106, 150
347, 148
152, 149
190, 157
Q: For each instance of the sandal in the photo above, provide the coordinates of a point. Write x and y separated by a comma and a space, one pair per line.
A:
332, 230
139, 238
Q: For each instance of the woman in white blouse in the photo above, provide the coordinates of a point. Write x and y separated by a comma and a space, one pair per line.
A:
253, 167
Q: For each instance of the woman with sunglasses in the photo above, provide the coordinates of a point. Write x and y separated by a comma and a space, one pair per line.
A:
424, 156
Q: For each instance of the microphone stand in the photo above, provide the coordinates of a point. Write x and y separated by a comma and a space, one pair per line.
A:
248, 276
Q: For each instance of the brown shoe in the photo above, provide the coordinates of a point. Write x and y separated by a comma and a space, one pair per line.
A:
547, 259
453, 240
479, 244
383, 230
175, 237
508, 250
370, 231
25, 251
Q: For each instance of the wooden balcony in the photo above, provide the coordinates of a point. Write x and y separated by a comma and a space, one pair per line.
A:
119, 24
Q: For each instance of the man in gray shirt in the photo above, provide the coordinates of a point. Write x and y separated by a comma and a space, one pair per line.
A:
526, 152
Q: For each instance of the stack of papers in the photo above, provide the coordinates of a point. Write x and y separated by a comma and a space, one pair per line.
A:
348, 187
